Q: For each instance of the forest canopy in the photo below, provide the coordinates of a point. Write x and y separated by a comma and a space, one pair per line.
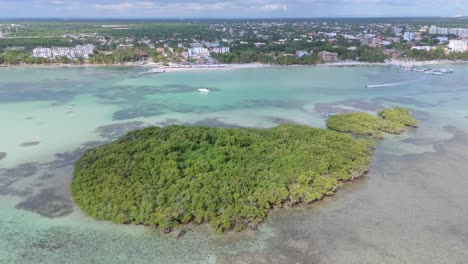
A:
230, 178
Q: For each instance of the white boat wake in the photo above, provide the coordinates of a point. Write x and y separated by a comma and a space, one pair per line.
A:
389, 84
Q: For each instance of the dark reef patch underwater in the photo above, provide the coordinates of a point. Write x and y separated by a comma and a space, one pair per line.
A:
30, 144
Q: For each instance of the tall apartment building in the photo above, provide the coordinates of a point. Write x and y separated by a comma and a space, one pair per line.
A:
408, 36
371, 40
367, 39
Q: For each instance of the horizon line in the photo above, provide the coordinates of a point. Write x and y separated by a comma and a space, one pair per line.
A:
221, 18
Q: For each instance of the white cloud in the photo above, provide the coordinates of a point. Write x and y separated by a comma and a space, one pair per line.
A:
208, 6
146, 6
117, 6
125, 6
271, 7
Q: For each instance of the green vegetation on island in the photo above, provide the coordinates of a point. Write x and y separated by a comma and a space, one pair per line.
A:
230, 178
392, 121
399, 115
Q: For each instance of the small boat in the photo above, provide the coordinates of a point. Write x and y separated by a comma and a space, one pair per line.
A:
437, 73
204, 90
156, 70
327, 115
443, 70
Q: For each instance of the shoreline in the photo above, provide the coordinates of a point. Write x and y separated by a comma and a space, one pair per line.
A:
183, 68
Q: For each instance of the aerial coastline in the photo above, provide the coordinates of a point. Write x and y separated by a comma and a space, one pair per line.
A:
213, 67
328, 140
399, 172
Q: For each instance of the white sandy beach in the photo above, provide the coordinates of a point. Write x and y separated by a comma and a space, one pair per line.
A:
179, 68
398, 63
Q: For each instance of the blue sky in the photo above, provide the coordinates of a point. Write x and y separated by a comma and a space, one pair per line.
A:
229, 9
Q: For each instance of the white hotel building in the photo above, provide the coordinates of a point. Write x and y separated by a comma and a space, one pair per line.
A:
460, 32
221, 50
458, 45
71, 53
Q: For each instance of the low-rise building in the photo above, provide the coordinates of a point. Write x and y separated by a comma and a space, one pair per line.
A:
386, 43
330, 34
125, 46
221, 50
301, 53
328, 56
417, 36
42, 53
259, 44
280, 42
427, 48
393, 54
198, 52
397, 30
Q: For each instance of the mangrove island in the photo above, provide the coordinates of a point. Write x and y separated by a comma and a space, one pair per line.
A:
229, 177
392, 121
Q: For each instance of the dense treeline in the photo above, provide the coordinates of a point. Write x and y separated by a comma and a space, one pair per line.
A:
31, 43
250, 56
133, 55
18, 57
435, 54
117, 56
129, 29
285, 54
391, 121
229, 177
24, 57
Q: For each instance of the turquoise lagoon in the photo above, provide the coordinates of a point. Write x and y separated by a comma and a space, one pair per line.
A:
410, 208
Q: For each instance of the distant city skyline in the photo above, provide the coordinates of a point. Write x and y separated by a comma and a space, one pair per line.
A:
229, 9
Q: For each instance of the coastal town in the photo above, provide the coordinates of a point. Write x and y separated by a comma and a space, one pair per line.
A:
282, 42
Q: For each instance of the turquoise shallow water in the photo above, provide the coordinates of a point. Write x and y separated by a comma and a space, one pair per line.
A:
411, 208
